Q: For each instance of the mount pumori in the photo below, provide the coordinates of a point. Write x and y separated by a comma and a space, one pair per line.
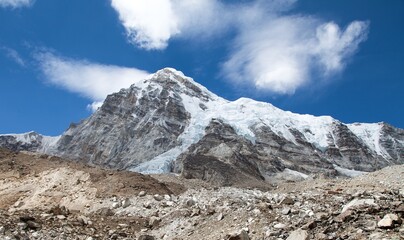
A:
170, 123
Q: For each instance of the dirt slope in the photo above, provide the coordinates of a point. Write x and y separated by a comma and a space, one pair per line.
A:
45, 197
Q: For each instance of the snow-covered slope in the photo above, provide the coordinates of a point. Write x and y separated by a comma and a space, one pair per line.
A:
30, 141
168, 122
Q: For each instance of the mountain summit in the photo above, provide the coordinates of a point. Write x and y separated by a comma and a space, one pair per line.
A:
170, 123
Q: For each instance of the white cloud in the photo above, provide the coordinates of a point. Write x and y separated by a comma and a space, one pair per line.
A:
16, 3
334, 46
273, 50
92, 80
151, 24
282, 53
13, 55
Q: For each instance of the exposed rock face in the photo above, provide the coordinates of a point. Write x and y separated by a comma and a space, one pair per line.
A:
30, 141
133, 126
221, 156
169, 123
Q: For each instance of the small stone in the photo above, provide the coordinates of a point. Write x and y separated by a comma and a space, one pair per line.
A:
33, 225
368, 225
116, 205
35, 235
256, 211
220, 216
243, 235
388, 221
310, 225
321, 236
195, 212
2, 230
83, 220
45, 215
59, 210
146, 237
286, 211
106, 212
147, 205
154, 221
279, 226
22, 225
158, 197
298, 235
61, 217
167, 204
287, 201
190, 202
18, 204
344, 216
167, 197
126, 203
400, 208
142, 194
358, 202
321, 216
27, 218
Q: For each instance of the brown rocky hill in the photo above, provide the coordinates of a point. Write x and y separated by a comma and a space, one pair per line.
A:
44, 197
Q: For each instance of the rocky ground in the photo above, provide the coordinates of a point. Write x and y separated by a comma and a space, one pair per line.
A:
45, 197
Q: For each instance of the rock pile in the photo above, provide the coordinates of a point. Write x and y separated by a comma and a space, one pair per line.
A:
367, 207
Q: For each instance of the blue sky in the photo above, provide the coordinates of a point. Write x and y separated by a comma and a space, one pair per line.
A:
343, 58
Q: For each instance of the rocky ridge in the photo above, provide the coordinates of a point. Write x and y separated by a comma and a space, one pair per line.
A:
170, 123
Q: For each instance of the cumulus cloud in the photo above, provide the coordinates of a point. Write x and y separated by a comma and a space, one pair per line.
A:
92, 80
151, 24
281, 54
16, 3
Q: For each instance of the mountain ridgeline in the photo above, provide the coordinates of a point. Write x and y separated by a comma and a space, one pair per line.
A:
170, 123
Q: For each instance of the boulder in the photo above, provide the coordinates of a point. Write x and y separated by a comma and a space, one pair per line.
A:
298, 235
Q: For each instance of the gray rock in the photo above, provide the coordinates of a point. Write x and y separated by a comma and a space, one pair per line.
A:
368, 225
146, 237
389, 221
61, 217
83, 220
287, 200
243, 235
18, 204
147, 205
279, 226
190, 202
286, 211
358, 202
126, 203
33, 225
116, 205
298, 235
142, 194
344, 216
154, 221
158, 197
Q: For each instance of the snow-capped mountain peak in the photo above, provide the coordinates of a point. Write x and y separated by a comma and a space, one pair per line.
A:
170, 123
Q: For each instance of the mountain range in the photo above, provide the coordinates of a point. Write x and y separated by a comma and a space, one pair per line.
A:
168, 123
